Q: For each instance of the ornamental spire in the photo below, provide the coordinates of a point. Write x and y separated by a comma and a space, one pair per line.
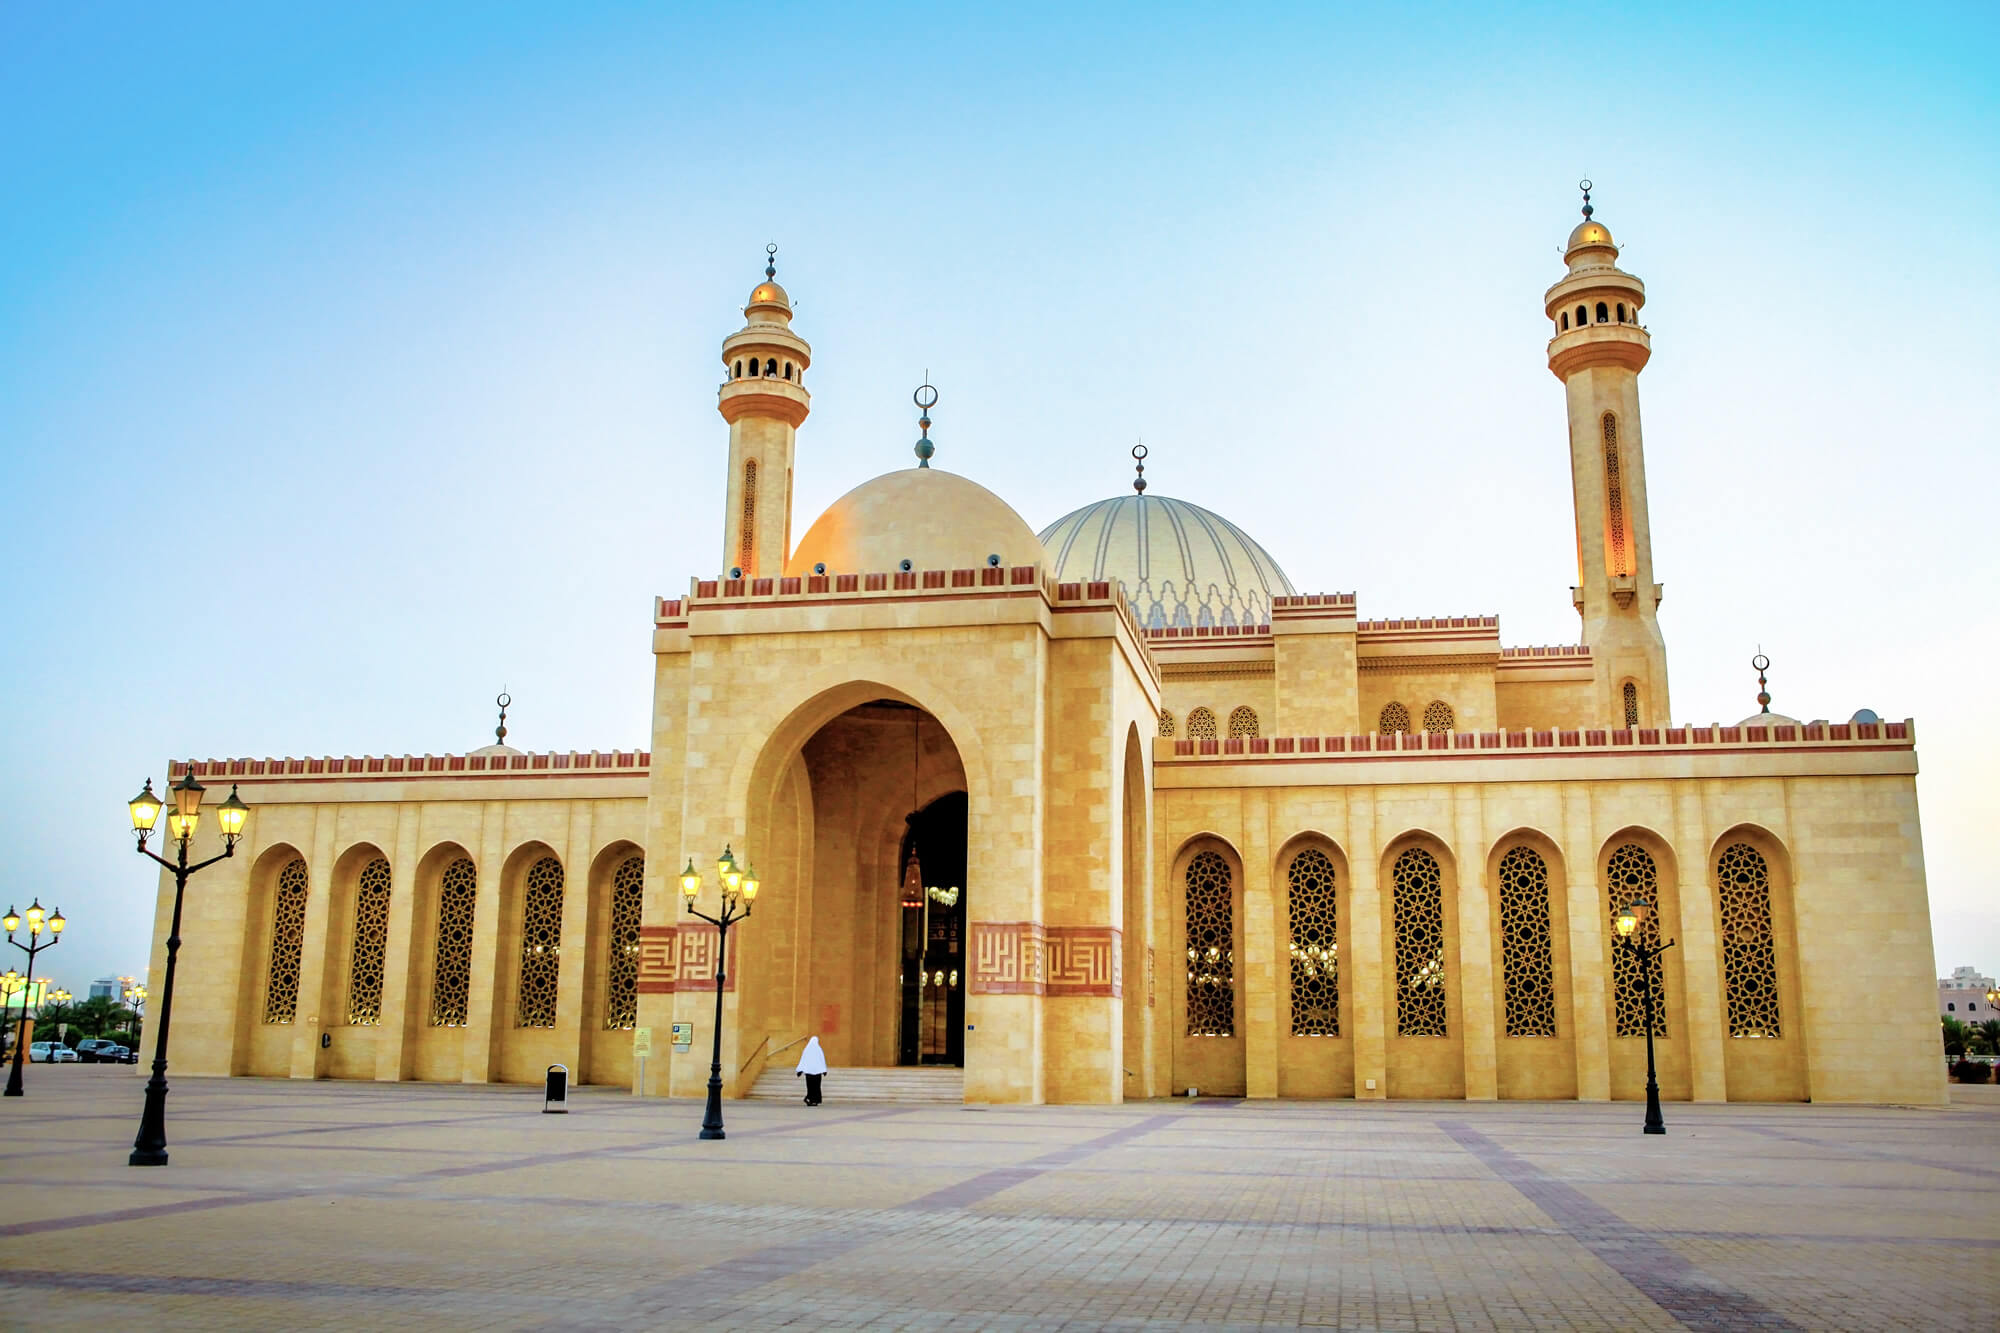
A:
1763, 664
1139, 452
1584, 185
925, 398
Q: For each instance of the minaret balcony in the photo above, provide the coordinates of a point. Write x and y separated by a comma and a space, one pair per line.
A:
765, 396
1627, 345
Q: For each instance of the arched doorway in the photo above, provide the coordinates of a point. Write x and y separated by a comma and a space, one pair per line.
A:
932, 971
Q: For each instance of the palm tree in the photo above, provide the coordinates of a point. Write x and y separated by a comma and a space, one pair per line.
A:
1990, 1029
96, 1014
1954, 1037
52, 1016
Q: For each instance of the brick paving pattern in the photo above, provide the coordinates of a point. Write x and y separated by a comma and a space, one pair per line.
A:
319, 1205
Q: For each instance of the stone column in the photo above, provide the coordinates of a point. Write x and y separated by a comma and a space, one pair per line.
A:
1589, 951
575, 950
1367, 981
482, 1016
1701, 950
308, 1060
403, 946
1476, 963
1260, 988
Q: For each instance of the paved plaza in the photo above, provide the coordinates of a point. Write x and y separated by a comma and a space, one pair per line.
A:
314, 1205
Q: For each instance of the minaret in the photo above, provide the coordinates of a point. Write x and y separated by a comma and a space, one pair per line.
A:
1598, 350
763, 399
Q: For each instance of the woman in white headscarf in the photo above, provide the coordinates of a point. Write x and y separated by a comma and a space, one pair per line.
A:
812, 1064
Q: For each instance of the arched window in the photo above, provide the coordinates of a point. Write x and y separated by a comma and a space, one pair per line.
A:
1631, 877
1603, 314
1242, 722
771, 368
1614, 496
1749, 952
746, 540
739, 368
371, 944
1419, 917
1952, 1007
1315, 946
541, 942
1527, 959
1621, 312
621, 987
1631, 704
1201, 725
1438, 717
1395, 717
1211, 947
1582, 316
1166, 723
451, 978
1565, 322
288, 938
788, 365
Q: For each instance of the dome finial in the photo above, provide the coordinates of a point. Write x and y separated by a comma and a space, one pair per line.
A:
925, 398
771, 260
1763, 664
504, 699
1139, 452
1584, 185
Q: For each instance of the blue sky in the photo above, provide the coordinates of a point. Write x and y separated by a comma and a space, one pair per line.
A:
354, 361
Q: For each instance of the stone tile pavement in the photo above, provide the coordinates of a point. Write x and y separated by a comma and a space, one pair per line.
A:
316, 1205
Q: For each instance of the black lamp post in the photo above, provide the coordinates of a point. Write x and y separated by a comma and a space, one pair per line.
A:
12, 983
150, 1147
1628, 925
739, 889
38, 922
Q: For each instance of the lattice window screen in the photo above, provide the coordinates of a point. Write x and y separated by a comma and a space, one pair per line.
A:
1201, 725
1526, 949
1166, 723
1749, 950
1315, 946
621, 991
1631, 877
1211, 947
1395, 717
1243, 722
371, 944
747, 539
1614, 496
1631, 704
451, 978
541, 944
288, 939
1438, 717
1419, 919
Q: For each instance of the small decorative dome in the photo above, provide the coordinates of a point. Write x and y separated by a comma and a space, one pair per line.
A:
931, 518
770, 293
1589, 233
1179, 564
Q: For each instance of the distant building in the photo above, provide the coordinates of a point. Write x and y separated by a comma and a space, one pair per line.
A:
1962, 995
105, 988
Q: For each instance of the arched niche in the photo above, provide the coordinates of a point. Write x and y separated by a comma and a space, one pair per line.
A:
1421, 957
533, 1008
351, 1053
1628, 1034
1764, 1049
261, 1048
1208, 1016
1315, 1056
435, 1018
616, 908
1533, 990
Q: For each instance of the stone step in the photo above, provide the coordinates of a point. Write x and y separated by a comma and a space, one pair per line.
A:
898, 1084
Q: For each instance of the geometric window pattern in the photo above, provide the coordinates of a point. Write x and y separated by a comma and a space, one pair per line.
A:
1395, 717
1438, 717
288, 940
1631, 877
1749, 955
371, 943
1315, 947
1420, 997
1166, 723
1631, 704
541, 938
451, 982
1211, 948
1242, 723
621, 993
1614, 495
747, 543
1201, 725
1526, 952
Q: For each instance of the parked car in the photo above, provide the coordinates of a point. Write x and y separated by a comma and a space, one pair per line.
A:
63, 1055
39, 1052
89, 1049
117, 1055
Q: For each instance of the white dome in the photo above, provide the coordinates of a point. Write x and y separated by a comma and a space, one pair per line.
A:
1178, 563
933, 519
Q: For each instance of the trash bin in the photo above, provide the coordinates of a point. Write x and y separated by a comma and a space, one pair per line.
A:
555, 1099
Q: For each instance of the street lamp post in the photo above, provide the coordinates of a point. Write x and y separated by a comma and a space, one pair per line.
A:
38, 922
739, 889
135, 1000
150, 1147
1628, 926
11, 984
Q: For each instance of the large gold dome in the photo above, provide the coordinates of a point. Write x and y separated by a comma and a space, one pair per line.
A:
1178, 563
931, 518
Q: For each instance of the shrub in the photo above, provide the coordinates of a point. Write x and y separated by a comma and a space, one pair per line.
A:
1971, 1071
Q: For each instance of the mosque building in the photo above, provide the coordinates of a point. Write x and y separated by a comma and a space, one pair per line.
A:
1104, 812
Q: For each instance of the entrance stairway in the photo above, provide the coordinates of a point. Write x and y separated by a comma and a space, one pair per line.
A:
910, 1083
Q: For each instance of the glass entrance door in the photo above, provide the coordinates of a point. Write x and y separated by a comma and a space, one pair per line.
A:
932, 961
